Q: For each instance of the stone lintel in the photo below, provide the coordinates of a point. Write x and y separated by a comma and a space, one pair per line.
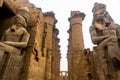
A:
77, 14
51, 14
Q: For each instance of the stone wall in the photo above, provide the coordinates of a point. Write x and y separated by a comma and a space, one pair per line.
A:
40, 50
52, 47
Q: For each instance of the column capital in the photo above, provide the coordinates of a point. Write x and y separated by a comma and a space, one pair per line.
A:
77, 14
50, 14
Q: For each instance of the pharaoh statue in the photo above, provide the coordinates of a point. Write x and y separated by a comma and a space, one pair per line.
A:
105, 34
13, 41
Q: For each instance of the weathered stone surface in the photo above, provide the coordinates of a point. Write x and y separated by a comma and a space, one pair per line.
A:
78, 67
1, 3
105, 33
41, 28
56, 56
40, 60
50, 44
14, 40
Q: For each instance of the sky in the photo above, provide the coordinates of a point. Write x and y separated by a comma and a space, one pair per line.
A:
62, 9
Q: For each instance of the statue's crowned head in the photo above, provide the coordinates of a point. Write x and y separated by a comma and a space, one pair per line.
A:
99, 8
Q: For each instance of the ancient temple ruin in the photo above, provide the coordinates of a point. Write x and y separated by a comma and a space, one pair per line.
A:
105, 33
30, 50
39, 59
79, 61
103, 62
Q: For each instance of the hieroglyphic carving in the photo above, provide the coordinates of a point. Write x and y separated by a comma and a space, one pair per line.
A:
105, 33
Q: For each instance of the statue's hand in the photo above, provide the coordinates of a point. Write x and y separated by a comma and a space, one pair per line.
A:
6, 42
107, 36
16, 44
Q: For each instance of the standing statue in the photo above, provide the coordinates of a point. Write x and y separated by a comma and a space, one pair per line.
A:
105, 33
13, 41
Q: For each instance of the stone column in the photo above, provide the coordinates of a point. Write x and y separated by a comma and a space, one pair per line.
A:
69, 55
55, 56
50, 21
57, 73
76, 29
76, 42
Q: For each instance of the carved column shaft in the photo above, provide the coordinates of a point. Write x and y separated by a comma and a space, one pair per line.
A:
76, 43
69, 55
50, 22
76, 30
55, 56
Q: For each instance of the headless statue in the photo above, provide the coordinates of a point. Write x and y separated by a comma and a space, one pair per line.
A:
13, 41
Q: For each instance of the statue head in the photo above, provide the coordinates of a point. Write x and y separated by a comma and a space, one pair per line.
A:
26, 9
99, 8
20, 20
100, 14
25, 12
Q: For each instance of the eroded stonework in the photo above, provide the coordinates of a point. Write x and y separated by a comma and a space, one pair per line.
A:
33, 55
30, 50
13, 41
105, 33
103, 63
